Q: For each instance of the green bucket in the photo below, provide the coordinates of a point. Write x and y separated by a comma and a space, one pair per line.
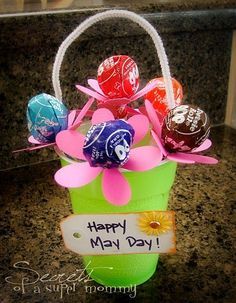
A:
150, 191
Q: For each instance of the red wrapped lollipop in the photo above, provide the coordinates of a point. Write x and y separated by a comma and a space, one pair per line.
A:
157, 96
118, 77
117, 86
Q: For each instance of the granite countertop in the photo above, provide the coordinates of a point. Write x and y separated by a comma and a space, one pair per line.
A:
203, 198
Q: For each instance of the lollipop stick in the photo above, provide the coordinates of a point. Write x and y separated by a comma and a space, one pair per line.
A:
82, 113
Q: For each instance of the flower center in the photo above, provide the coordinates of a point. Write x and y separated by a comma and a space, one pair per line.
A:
154, 224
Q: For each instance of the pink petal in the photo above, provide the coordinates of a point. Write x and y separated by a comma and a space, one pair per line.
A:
140, 125
76, 175
153, 118
159, 144
33, 141
115, 187
102, 115
88, 114
71, 117
71, 142
179, 158
144, 91
143, 158
91, 93
34, 148
205, 145
94, 84
197, 158
82, 114
115, 102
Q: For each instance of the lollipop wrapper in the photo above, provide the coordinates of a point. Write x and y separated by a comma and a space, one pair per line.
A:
46, 116
185, 127
157, 96
118, 77
108, 144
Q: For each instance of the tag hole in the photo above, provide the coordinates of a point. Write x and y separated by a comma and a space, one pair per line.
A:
77, 235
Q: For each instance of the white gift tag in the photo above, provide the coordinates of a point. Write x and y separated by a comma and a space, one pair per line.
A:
122, 233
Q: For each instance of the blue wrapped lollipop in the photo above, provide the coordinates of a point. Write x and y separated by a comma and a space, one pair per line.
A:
108, 144
46, 116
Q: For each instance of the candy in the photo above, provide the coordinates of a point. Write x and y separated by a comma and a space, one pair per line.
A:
157, 96
46, 117
107, 144
118, 77
184, 128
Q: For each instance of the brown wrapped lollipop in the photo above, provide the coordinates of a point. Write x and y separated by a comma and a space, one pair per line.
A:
185, 128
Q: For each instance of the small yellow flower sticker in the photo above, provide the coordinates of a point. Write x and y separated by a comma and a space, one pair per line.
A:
154, 223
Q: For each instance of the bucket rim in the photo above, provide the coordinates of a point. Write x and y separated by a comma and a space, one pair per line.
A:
71, 161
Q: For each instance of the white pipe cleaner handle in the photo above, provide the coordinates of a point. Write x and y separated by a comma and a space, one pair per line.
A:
110, 15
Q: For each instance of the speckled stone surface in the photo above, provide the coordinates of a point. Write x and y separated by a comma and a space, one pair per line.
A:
202, 270
173, 5
197, 43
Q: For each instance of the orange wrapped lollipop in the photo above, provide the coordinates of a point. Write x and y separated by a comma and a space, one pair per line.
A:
157, 96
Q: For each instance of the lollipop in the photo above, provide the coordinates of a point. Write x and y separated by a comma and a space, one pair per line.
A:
189, 157
116, 86
185, 128
157, 96
118, 77
112, 139
46, 116
108, 144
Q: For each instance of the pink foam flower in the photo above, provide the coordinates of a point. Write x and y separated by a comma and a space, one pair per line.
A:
73, 123
31, 139
79, 174
181, 157
116, 104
